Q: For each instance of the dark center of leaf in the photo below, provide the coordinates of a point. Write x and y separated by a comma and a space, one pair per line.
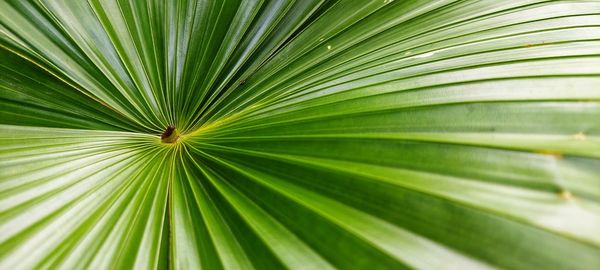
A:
170, 135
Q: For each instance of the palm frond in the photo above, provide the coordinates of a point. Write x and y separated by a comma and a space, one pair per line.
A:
308, 134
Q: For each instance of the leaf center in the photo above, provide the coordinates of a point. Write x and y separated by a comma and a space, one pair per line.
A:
170, 135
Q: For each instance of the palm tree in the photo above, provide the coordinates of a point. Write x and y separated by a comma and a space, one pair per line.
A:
309, 134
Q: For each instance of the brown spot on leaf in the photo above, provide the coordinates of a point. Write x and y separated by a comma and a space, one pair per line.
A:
566, 195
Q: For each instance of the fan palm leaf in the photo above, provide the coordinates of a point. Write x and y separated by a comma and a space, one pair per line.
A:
309, 134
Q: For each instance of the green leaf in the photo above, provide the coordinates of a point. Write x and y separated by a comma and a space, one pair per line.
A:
317, 134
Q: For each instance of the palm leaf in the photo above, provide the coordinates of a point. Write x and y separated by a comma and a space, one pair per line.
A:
308, 134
